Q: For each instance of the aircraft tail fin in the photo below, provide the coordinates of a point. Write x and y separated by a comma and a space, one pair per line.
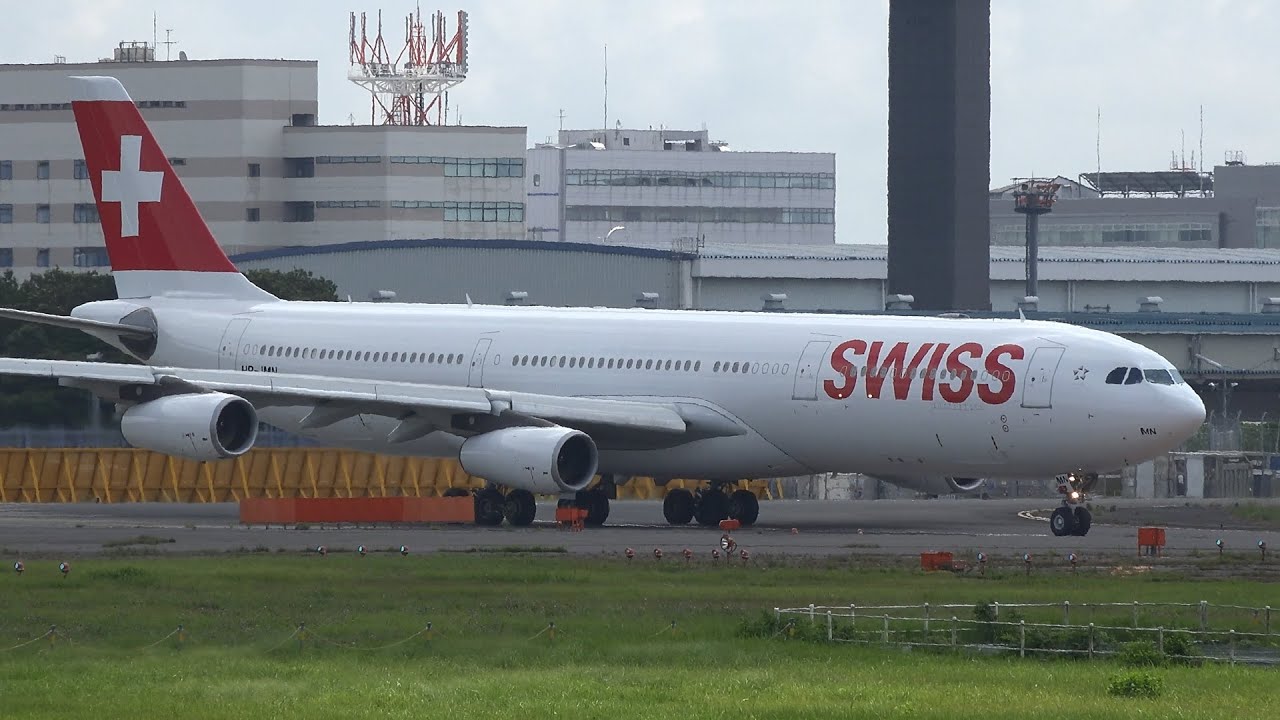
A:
157, 242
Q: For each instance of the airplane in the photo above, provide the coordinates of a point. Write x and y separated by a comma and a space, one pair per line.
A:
541, 400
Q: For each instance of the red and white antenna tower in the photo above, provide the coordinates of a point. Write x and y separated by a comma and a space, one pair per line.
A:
409, 89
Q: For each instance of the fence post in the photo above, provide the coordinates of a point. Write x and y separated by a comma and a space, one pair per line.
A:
1204, 616
1090, 641
954, 623
853, 615
885, 636
812, 618
995, 606
1160, 639
1135, 613
830, 627
926, 622
1266, 620
1022, 638
777, 615
1232, 640
1066, 612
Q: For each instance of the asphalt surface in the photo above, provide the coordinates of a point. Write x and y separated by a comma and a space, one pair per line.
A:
999, 528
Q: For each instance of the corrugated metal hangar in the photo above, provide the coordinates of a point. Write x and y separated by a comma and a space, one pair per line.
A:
841, 278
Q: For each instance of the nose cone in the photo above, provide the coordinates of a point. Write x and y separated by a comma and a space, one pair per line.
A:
1187, 414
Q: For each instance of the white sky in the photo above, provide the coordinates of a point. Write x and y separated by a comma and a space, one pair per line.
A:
808, 76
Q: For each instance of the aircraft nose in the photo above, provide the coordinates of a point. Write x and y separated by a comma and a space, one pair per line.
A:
1187, 414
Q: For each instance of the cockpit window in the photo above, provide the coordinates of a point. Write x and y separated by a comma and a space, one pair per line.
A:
1177, 377
1116, 377
1159, 377
1134, 377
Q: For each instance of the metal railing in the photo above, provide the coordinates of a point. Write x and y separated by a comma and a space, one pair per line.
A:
940, 626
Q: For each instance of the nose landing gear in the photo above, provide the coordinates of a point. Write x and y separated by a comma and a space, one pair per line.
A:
1072, 518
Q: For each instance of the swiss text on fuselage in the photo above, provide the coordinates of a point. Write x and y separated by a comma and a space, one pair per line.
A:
925, 370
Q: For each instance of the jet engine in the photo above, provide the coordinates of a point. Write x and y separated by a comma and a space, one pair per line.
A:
938, 484
546, 460
199, 426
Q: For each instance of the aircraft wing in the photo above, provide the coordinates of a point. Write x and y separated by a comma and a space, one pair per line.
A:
337, 398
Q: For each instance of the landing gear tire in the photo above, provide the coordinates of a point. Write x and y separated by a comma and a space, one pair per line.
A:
744, 507
596, 503
520, 508
1083, 520
678, 506
1062, 522
489, 504
712, 507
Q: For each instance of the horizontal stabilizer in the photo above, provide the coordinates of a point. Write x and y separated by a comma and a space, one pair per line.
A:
75, 323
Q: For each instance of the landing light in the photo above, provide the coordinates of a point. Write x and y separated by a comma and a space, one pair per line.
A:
1075, 495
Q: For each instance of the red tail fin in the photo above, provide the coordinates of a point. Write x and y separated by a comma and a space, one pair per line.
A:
156, 240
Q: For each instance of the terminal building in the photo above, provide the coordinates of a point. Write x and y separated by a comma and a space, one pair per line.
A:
659, 187
243, 136
1235, 206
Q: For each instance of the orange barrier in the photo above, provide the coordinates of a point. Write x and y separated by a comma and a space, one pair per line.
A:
1150, 540
288, 511
936, 560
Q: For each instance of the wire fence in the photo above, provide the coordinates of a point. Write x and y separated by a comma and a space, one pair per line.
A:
1198, 632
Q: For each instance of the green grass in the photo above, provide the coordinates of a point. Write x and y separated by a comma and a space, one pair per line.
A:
137, 540
613, 655
1258, 512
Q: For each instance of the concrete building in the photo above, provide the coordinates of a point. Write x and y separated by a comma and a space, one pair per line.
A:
659, 187
243, 136
1235, 206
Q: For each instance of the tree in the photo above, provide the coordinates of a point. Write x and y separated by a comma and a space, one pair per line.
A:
296, 284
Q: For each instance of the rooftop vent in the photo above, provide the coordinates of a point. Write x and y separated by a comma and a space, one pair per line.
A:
516, 297
1271, 305
1029, 303
774, 301
1150, 303
647, 300
899, 302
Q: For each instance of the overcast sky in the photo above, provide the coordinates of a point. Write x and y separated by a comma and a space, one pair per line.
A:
807, 76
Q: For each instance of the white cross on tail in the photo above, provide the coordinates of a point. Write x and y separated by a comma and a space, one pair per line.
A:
129, 185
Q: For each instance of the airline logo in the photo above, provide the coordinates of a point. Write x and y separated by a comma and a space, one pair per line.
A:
130, 185
925, 370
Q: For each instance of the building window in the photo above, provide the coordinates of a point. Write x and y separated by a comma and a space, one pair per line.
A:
468, 211
537, 180
468, 167
85, 213
680, 214
626, 141
42, 170
678, 178
42, 213
79, 170
255, 169
299, 212
6, 214
347, 159
252, 214
176, 161
6, 169
42, 257
90, 257
348, 203
6, 257
300, 167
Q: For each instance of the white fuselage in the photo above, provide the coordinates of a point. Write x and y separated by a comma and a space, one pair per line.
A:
884, 395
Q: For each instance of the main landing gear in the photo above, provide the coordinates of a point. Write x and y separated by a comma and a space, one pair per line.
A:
1072, 518
711, 505
517, 507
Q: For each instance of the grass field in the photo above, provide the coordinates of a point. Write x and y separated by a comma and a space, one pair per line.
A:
614, 653
1266, 514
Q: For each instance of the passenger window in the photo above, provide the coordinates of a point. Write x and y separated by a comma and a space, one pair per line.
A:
697, 366
561, 361
573, 362
716, 367
735, 367
591, 363
1134, 377
648, 364
582, 362
610, 363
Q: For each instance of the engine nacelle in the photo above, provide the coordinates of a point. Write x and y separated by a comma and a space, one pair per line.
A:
938, 484
200, 426
546, 460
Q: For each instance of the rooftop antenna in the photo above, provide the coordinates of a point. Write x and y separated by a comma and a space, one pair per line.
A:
168, 44
605, 126
1097, 178
562, 119
154, 33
